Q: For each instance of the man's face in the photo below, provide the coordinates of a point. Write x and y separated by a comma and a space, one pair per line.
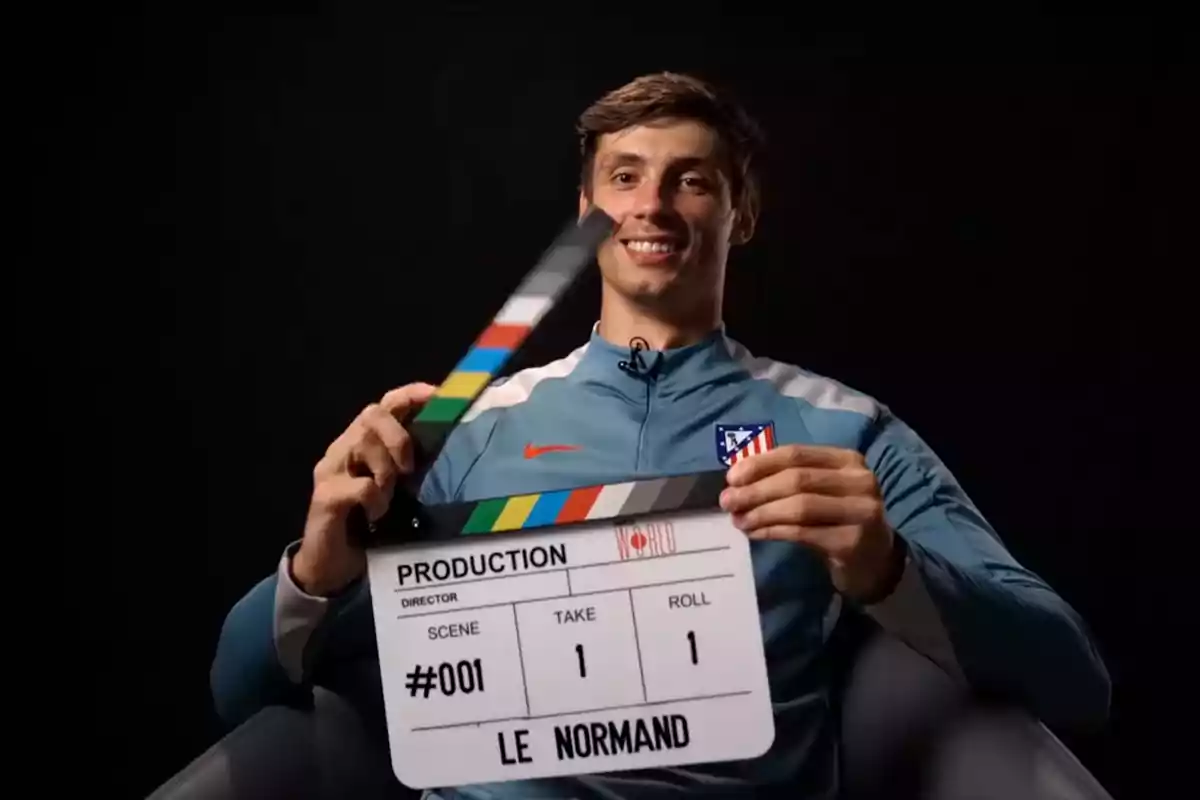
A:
665, 185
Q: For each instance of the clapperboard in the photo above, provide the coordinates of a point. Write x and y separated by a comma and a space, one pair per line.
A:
597, 629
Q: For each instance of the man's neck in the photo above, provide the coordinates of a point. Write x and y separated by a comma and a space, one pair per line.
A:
622, 321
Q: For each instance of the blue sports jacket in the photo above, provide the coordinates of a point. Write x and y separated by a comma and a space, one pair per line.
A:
963, 601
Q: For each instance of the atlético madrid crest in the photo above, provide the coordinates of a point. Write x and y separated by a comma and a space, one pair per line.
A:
735, 442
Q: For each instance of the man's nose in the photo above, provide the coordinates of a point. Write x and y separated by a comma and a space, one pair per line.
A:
649, 199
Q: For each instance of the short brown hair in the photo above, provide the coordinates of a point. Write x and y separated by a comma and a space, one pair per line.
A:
665, 95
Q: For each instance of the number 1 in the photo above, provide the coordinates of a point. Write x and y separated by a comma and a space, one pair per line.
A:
582, 665
692, 642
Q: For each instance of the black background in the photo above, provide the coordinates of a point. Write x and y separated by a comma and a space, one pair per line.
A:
267, 222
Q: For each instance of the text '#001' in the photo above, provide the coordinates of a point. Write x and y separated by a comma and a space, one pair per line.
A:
447, 678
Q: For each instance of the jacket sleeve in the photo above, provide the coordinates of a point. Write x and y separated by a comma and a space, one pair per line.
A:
277, 639
967, 604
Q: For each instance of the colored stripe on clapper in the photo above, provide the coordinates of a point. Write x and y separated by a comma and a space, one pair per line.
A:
542, 288
585, 504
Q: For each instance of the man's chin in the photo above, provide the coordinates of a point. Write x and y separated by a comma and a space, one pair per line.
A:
651, 279
650, 287
653, 295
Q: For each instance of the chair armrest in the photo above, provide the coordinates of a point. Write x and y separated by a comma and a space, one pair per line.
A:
908, 730
291, 754
1002, 753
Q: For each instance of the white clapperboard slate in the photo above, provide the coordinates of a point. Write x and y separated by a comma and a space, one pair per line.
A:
566, 651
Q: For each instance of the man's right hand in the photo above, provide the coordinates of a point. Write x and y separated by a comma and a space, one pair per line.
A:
361, 467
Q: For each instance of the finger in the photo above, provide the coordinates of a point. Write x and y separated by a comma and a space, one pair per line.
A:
798, 480
343, 492
370, 453
398, 402
808, 509
828, 540
337, 455
760, 465
391, 434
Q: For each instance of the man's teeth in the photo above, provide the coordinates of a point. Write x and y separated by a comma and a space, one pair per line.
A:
651, 247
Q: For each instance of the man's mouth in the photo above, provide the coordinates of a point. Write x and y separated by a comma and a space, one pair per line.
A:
654, 250
652, 245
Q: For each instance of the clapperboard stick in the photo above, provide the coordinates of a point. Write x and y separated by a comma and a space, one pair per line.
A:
559, 268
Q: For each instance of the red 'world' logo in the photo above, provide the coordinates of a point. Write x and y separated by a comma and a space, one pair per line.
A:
645, 540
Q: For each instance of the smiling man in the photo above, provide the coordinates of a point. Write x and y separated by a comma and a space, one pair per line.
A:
849, 511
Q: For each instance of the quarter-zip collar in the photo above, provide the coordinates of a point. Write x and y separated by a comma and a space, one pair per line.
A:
668, 373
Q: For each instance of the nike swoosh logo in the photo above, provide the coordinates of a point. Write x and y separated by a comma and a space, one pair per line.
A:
532, 451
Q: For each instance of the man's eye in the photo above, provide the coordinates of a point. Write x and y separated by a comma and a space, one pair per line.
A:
697, 182
624, 176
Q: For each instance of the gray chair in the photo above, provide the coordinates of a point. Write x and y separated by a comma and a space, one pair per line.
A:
907, 731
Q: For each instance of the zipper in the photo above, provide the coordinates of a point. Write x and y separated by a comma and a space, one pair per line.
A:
641, 443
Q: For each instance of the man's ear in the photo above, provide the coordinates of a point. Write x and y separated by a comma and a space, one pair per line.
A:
744, 222
584, 204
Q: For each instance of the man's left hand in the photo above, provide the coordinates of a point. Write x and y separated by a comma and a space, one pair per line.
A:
826, 498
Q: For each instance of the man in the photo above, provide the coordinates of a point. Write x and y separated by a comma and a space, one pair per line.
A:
850, 510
